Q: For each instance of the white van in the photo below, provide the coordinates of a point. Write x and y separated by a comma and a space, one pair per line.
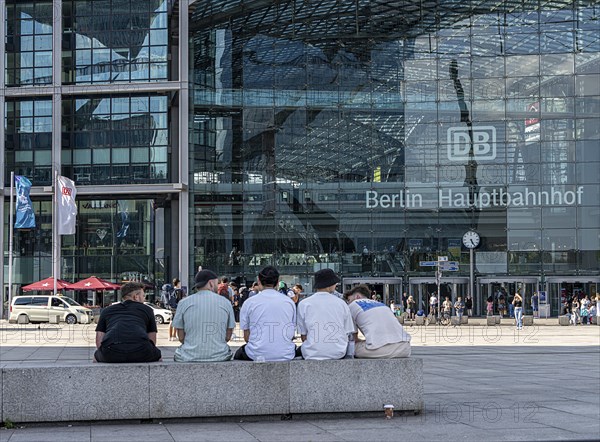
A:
39, 308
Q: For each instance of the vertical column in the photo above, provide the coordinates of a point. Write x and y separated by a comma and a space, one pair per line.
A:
2, 152
56, 119
184, 109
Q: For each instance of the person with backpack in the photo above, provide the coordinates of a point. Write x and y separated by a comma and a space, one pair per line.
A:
172, 302
224, 290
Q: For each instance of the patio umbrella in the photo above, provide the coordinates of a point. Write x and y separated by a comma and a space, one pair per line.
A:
93, 283
47, 284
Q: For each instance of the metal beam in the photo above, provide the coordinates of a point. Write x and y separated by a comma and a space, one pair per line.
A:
2, 152
183, 154
95, 89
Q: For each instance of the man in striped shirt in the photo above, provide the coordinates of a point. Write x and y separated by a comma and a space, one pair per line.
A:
204, 323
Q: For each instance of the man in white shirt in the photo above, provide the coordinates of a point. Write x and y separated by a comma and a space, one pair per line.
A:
384, 336
268, 321
433, 302
324, 320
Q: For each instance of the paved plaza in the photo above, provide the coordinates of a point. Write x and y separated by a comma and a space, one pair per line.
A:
481, 383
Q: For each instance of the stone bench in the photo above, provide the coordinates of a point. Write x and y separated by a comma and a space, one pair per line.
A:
493, 320
564, 320
162, 390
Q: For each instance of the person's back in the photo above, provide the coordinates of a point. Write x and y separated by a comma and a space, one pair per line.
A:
126, 331
324, 320
205, 318
270, 320
384, 336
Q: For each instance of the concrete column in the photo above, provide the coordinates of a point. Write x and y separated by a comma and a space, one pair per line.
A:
2, 152
56, 118
184, 108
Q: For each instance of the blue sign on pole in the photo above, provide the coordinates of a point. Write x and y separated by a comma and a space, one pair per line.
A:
450, 266
428, 263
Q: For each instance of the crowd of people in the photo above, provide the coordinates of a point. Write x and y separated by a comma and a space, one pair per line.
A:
581, 311
270, 316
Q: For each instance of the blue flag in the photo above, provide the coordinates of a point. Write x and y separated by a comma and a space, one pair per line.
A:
25, 217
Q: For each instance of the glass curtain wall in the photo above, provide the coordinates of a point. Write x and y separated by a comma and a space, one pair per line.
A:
119, 139
352, 136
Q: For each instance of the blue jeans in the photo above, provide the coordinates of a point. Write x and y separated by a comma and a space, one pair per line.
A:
511, 310
519, 316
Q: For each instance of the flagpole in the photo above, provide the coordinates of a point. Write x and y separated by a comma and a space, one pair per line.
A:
54, 231
10, 238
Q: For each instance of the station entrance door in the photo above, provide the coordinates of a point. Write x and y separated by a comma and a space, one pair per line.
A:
422, 288
388, 289
504, 288
561, 288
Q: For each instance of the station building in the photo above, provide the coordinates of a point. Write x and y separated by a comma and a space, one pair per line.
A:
366, 136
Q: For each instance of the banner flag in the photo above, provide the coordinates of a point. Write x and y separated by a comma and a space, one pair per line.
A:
67, 208
25, 216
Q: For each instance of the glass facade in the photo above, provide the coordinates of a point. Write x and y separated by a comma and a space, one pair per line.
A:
108, 41
28, 43
28, 139
120, 139
365, 136
353, 136
110, 135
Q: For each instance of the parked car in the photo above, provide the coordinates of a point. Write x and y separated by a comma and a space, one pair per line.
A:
162, 315
39, 308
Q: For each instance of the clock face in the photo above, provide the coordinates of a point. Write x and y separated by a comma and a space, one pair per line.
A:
471, 240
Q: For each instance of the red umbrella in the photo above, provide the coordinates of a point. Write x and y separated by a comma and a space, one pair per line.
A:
93, 283
47, 284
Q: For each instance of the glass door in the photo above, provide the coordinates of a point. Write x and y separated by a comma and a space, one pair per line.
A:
500, 292
422, 288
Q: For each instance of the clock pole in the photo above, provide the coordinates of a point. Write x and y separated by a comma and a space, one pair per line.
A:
471, 274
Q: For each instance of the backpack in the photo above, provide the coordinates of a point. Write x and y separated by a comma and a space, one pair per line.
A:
173, 300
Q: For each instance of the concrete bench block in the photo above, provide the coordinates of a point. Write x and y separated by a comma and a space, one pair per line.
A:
53, 319
331, 391
594, 320
564, 320
104, 392
76, 393
401, 319
464, 320
490, 320
527, 320
419, 320
236, 388
454, 320
498, 320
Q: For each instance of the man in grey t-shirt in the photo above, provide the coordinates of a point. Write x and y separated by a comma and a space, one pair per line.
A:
204, 323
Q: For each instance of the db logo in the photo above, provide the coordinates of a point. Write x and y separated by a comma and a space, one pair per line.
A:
483, 143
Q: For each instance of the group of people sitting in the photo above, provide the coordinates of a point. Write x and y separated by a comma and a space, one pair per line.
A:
327, 324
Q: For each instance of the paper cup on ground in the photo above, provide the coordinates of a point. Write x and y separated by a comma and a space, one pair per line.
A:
389, 411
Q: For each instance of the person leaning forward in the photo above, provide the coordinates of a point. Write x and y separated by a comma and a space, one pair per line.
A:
268, 321
384, 336
126, 332
204, 322
324, 320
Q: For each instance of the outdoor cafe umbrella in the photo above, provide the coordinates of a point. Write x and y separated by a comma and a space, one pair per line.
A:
47, 284
93, 283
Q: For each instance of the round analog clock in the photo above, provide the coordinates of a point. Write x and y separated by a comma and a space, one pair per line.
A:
471, 239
